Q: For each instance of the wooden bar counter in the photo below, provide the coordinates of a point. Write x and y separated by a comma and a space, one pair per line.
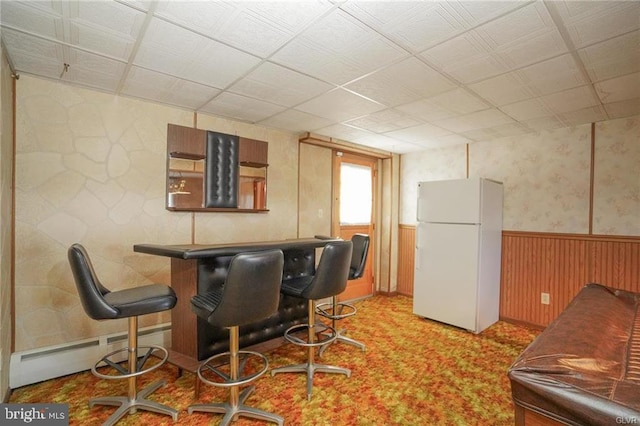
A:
199, 268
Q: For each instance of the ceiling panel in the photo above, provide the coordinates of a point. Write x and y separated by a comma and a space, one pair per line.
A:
339, 105
399, 75
241, 107
279, 85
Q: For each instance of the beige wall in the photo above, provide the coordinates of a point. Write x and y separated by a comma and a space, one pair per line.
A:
546, 177
91, 168
6, 215
315, 190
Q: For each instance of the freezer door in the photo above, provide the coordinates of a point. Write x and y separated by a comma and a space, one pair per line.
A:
449, 201
446, 274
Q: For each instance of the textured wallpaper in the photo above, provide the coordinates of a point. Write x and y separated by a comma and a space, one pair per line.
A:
432, 164
315, 191
545, 177
6, 208
616, 204
91, 169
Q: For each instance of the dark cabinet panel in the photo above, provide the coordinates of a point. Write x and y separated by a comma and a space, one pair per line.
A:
186, 142
253, 153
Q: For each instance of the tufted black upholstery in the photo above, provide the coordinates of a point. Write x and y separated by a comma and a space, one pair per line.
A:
250, 292
212, 273
99, 303
221, 188
329, 279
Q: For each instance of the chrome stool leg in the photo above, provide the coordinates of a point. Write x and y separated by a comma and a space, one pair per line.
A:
234, 407
310, 367
135, 400
334, 315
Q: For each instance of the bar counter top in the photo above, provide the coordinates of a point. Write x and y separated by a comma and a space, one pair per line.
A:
202, 251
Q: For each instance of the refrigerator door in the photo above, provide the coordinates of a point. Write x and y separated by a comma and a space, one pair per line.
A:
446, 273
449, 201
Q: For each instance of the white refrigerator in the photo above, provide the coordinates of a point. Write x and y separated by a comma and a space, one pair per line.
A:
458, 252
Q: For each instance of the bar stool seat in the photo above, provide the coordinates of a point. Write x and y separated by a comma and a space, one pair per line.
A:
336, 311
330, 279
251, 292
100, 303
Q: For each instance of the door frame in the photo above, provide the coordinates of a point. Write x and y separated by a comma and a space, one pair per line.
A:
369, 161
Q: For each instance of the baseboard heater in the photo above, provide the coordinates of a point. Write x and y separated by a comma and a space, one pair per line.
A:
55, 361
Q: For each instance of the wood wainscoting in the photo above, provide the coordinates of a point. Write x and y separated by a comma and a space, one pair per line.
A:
534, 263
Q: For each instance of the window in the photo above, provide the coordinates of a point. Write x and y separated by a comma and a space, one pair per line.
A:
355, 194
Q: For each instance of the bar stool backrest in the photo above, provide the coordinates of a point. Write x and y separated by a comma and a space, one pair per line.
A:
251, 291
332, 272
359, 255
90, 289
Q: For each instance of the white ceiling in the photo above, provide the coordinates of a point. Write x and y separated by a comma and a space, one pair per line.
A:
400, 76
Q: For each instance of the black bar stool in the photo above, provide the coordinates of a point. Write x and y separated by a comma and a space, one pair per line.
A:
250, 293
329, 279
335, 310
99, 303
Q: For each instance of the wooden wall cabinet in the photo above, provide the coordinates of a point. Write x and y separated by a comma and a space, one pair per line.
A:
210, 171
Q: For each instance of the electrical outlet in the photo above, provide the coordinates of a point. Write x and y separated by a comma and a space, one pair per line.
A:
544, 298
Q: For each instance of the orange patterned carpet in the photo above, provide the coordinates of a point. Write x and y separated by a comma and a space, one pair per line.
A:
413, 372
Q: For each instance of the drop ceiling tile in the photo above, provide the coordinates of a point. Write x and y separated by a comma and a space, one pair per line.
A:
444, 141
501, 131
343, 132
173, 50
338, 49
623, 109
276, 84
416, 25
18, 43
457, 51
553, 75
44, 66
401, 83
26, 17
263, 27
317, 62
241, 108
89, 38
570, 100
543, 123
503, 89
339, 105
296, 121
584, 115
592, 22
476, 120
516, 26
110, 17
92, 70
459, 101
612, 58
619, 88
418, 133
479, 12
378, 141
537, 47
384, 121
527, 110
426, 110
232, 23
164, 88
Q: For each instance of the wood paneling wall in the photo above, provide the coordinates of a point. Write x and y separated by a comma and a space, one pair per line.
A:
558, 264
406, 255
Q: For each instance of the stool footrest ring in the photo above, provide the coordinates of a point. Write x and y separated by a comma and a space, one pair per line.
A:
124, 374
242, 380
336, 312
325, 330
